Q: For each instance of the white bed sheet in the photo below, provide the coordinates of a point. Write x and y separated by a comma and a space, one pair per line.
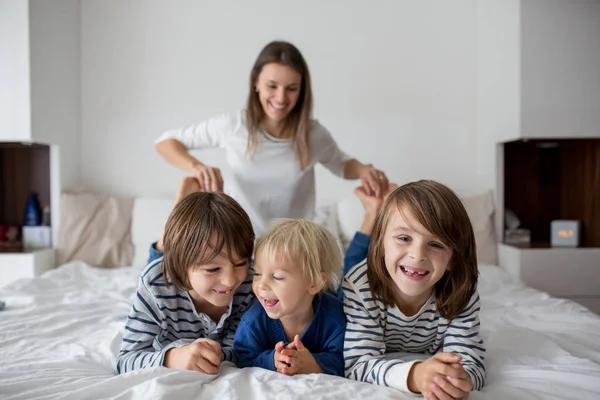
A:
60, 333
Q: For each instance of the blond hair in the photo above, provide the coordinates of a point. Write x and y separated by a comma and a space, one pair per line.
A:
308, 244
440, 211
200, 226
298, 122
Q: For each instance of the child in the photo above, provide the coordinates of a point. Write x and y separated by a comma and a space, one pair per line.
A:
297, 328
417, 295
189, 302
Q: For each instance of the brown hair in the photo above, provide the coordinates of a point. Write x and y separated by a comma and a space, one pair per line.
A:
442, 213
198, 229
309, 244
298, 122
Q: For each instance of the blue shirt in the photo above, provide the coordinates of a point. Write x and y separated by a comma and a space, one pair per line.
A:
153, 254
257, 334
357, 252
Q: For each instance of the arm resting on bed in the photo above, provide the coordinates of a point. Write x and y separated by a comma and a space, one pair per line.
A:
463, 338
142, 326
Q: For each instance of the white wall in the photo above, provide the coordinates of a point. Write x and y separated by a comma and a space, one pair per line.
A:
394, 81
560, 68
498, 105
14, 70
55, 81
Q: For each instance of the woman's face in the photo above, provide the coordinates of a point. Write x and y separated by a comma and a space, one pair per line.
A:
278, 90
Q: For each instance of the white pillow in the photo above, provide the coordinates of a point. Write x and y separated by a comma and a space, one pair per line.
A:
147, 223
480, 209
96, 229
350, 214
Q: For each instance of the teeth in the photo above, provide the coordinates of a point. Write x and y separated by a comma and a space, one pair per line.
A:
413, 272
276, 107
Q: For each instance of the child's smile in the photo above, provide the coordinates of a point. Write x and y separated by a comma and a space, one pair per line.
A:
414, 273
281, 287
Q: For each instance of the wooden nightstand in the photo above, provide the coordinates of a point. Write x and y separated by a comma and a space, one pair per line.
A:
572, 273
27, 264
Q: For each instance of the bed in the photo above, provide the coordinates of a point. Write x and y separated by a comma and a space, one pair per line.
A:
59, 335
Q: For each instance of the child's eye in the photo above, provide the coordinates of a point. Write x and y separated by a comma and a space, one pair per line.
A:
241, 264
403, 238
272, 86
212, 270
277, 278
437, 245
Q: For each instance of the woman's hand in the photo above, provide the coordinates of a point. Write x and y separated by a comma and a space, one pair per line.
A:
373, 180
209, 178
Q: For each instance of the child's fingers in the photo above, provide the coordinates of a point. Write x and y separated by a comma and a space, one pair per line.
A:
449, 387
279, 347
289, 370
279, 366
208, 353
299, 345
448, 370
440, 393
288, 353
206, 366
448, 358
463, 384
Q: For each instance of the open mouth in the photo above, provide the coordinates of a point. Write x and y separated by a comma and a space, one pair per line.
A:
276, 107
269, 303
222, 291
414, 273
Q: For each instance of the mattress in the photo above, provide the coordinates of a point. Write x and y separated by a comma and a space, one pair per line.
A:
60, 333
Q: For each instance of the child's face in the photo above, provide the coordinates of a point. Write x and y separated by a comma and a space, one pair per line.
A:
217, 281
415, 259
281, 287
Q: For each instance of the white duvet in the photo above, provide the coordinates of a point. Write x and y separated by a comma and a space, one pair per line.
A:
59, 335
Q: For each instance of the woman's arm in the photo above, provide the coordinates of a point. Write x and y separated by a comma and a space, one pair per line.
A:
177, 154
373, 180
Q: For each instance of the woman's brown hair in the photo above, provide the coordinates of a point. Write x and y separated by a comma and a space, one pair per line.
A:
298, 122
199, 228
442, 213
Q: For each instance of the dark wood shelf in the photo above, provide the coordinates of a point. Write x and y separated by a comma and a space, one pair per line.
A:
546, 180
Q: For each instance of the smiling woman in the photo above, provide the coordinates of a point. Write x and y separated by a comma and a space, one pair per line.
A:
272, 146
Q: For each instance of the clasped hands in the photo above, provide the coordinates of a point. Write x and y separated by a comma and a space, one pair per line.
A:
295, 359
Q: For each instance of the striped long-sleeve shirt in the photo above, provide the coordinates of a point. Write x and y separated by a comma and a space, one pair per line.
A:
373, 331
164, 317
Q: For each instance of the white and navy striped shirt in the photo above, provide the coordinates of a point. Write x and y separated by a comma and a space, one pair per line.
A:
374, 331
164, 317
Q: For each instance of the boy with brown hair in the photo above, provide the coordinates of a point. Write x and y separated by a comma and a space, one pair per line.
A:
189, 302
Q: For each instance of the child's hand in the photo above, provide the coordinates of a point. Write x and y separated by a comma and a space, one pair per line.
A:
451, 388
204, 355
422, 376
300, 359
279, 359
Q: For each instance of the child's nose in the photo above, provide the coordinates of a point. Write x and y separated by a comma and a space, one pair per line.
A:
229, 279
417, 252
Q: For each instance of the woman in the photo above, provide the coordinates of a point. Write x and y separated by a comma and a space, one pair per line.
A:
272, 146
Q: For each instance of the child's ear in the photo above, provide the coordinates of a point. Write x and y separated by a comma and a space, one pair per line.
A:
316, 288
